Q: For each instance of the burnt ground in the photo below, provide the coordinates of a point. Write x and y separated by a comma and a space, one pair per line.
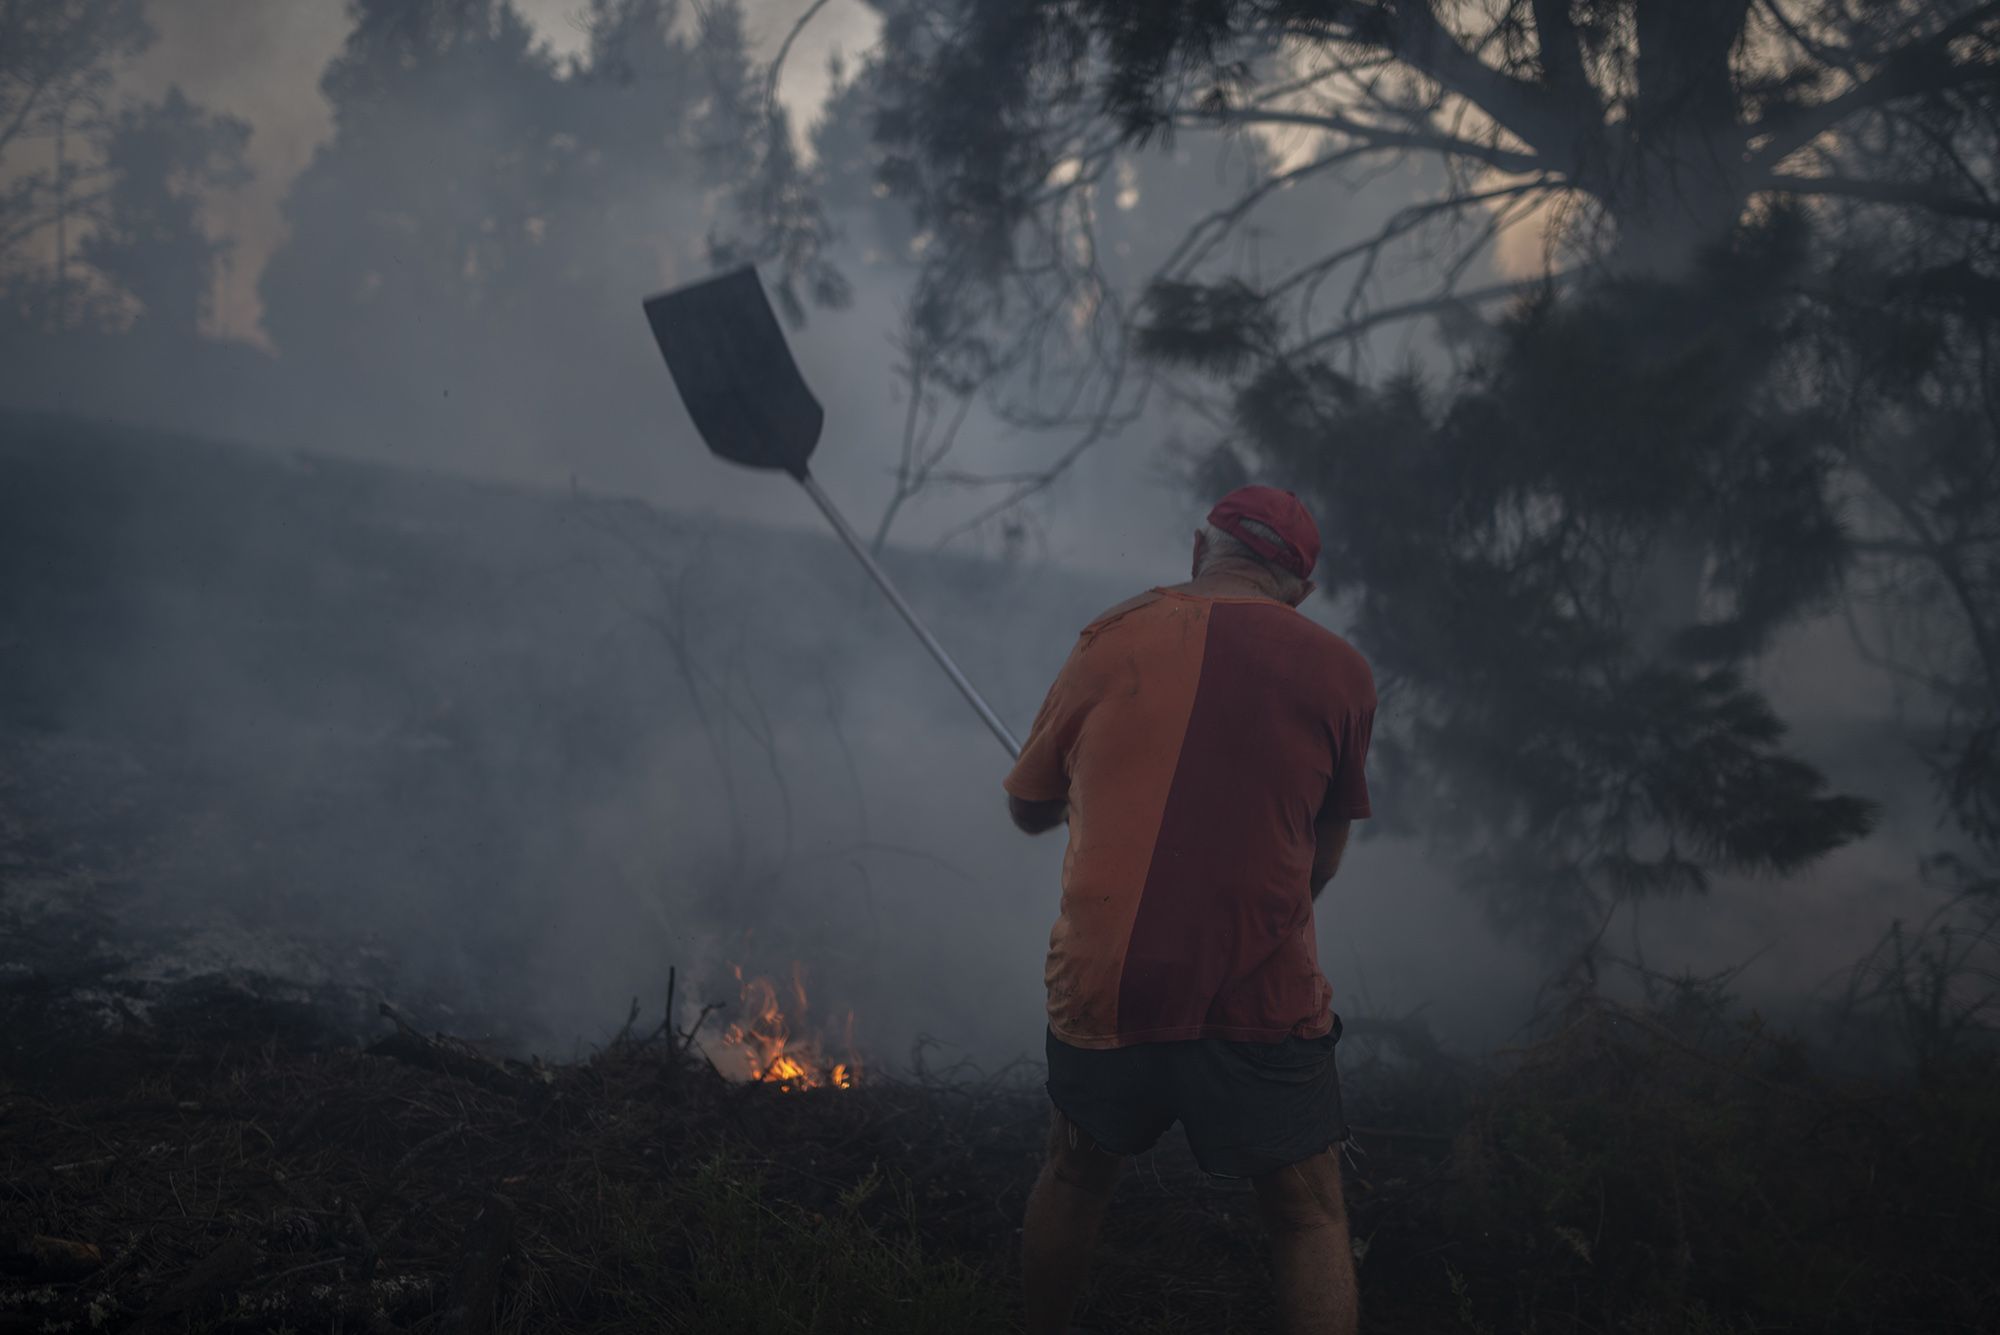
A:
223, 1167
227, 1163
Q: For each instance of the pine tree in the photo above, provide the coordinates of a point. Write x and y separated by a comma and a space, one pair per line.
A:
1570, 533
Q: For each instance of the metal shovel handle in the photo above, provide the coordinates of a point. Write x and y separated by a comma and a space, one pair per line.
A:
889, 590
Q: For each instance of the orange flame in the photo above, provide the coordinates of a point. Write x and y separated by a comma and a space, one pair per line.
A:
765, 1041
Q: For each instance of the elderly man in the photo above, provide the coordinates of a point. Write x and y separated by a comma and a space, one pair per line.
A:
1205, 744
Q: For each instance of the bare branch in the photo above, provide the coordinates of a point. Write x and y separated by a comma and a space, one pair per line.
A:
785, 48
1403, 221
21, 114
1833, 57
1561, 52
1376, 138
1102, 424
30, 223
1924, 66
1207, 232
1914, 194
1437, 304
1414, 34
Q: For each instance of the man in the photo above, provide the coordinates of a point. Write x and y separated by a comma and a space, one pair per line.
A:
1205, 745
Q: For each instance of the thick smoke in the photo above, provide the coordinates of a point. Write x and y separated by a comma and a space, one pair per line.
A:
469, 677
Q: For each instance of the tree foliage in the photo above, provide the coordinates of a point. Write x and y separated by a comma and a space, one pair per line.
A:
1500, 542
1659, 117
56, 61
102, 201
57, 58
1905, 337
483, 206
160, 161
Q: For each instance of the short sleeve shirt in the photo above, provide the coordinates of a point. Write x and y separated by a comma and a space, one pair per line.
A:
1196, 740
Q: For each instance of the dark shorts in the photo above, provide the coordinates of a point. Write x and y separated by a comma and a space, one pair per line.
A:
1248, 1108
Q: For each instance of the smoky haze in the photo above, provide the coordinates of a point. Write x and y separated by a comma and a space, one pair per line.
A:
386, 625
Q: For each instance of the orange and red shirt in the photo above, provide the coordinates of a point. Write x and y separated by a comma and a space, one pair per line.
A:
1196, 741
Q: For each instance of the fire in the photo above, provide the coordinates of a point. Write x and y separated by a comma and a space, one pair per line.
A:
773, 1047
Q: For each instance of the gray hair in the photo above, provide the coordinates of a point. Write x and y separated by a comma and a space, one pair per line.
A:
1227, 547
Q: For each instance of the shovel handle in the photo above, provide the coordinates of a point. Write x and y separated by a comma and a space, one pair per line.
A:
951, 669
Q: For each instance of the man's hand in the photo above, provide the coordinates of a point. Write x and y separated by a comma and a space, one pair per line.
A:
1330, 841
1035, 817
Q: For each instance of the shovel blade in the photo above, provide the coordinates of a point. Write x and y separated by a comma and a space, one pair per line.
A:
735, 373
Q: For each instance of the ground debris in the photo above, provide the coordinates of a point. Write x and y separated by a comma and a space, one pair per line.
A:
37, 1256
159, 1179
475, 1289
456, 1057
221, 1270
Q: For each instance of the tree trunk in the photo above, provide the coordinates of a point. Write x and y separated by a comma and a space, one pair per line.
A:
1668, 218
1675, 188
1676, 184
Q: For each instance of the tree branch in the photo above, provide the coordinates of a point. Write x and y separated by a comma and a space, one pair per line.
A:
785, 49
1376, 137
1913, 194
1208, 231
1398, 224
1432, 305
21, 114
1924, 66
1562, 52
1102, 424
1413, 33
31, 222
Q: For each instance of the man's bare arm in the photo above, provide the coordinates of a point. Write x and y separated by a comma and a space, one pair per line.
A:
1035, 817
1329, 842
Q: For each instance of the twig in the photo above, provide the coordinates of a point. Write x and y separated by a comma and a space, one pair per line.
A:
1391, 1133
698, 1021
625, 1030
666, 1020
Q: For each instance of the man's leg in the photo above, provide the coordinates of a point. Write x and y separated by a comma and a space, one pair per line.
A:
1064, 1212
1303, 1211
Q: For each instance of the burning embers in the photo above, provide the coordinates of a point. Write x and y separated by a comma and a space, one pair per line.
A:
767, 1045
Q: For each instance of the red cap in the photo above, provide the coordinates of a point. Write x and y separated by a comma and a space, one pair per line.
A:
1279, 511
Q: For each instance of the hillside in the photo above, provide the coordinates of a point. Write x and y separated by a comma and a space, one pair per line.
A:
514, 753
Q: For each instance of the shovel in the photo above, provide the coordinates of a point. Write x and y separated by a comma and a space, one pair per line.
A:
743, 390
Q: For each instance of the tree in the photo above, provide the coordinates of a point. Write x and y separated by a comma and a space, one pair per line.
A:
425, 210
1636, 132
1907, 353
56, 61
745, 136
483, 209
1566, 535
159, 160
1494, 542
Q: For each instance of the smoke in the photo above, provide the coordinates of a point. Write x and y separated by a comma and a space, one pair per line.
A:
413, 692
